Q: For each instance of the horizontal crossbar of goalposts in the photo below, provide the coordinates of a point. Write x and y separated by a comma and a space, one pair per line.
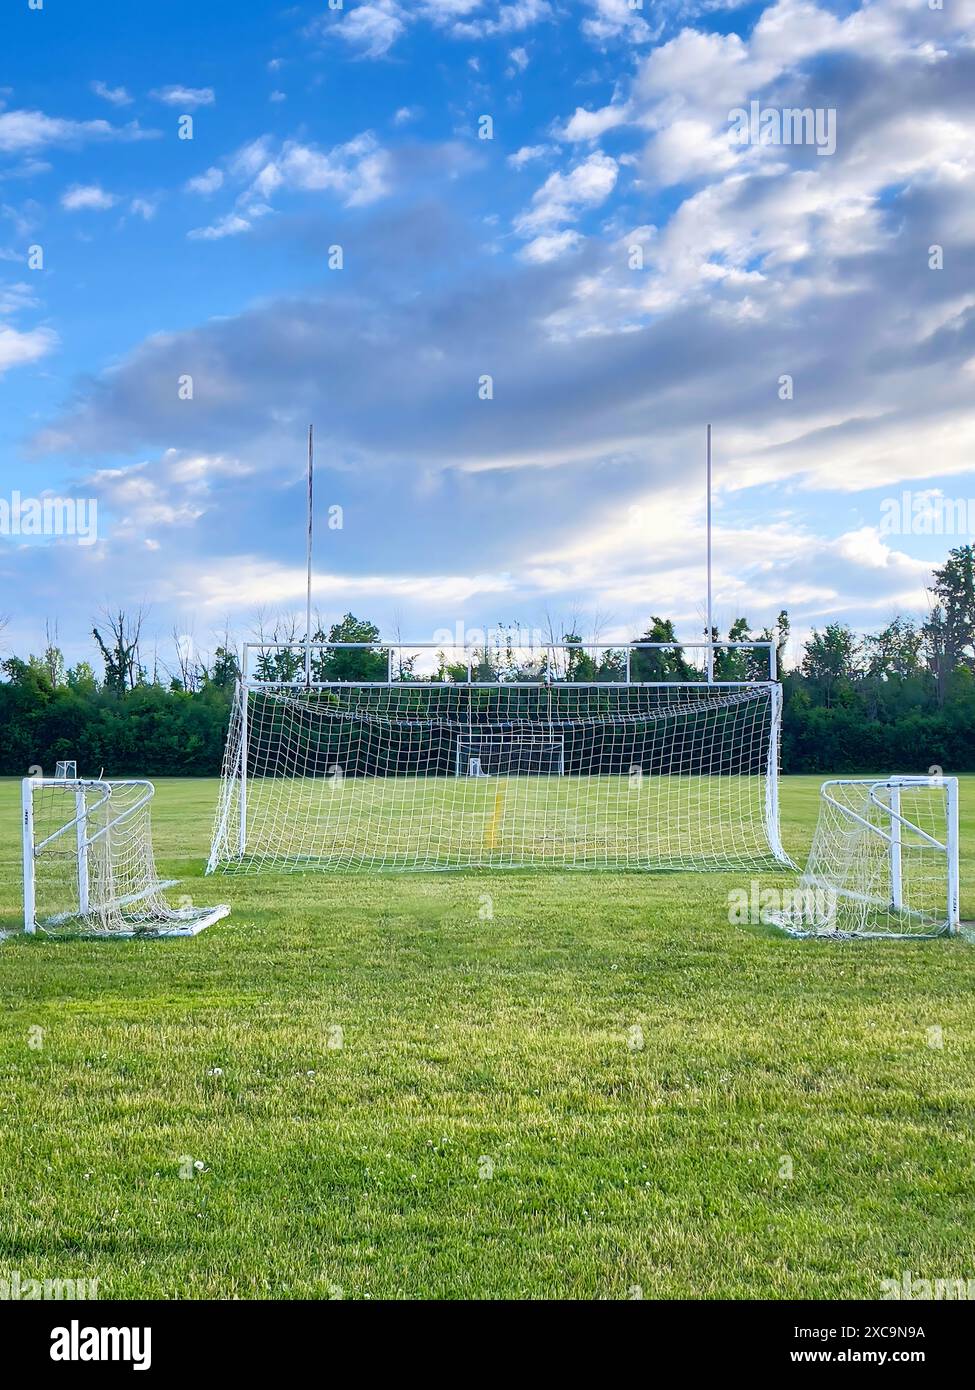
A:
476, 650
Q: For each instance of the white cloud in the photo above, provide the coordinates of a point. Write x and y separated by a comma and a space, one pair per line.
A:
653, 546
173, 491
239, 583
527, 154
615, 19
23, 131
371, 28
144, 207
141, 499
250, 158
184, 97
562, 197
14, 298
26, 169
196, 470
17, 349
89, 197
688, 149
858, 454
445, 11
118, 96
589, 125
356, 171
208, 182
550, 248
230, 225
744, 242
511, 19
707, 73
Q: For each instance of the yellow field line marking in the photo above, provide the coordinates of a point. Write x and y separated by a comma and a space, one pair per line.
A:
494, 824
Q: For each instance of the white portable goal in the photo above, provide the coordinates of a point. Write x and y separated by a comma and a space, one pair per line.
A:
408, 773
883, 862
88, 862
500, 752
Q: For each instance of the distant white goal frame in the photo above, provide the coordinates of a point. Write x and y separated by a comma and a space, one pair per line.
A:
473, 742
231, 839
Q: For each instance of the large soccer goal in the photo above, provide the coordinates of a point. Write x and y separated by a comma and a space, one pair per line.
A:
88, 861
883, 862
416, 773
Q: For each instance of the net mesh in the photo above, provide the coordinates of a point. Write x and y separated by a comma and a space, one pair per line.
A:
94, 871
444, 776
879, 862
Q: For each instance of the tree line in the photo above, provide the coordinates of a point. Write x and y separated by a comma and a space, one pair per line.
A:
900, 699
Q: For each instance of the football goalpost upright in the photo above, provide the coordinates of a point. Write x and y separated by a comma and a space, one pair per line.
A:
457, 771
88, 861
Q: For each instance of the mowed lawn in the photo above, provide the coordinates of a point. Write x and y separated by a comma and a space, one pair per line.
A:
483, 1085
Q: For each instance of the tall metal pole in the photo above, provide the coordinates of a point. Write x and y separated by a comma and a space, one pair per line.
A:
311, 492
710, 622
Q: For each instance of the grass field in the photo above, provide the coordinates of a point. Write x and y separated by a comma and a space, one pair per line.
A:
512, 821
601, 1087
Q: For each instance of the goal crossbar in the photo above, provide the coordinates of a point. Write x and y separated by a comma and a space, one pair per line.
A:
473, 651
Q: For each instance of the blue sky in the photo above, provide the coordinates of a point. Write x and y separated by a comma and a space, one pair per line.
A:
610, 257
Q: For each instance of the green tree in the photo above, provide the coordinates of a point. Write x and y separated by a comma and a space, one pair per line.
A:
225, 671
81, 678
731, 664
949, 633
338, 664
579, 664
779, 634
831, 660
895, 650
668, 665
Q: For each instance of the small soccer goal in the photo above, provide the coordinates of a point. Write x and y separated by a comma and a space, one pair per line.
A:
501, 752
89, 868
470, 769
883, 862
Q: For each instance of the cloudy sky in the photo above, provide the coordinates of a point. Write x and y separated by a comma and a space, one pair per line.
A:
384, 206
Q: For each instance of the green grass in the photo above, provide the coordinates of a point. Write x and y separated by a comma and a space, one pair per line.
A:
514, 821
472, 1044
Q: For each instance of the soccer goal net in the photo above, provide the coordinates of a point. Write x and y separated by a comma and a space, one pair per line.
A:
88, 862
417, 775
883, 862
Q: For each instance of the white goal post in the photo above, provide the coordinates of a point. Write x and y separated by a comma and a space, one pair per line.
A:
88, 862
883, 862
441, 772
499, 752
